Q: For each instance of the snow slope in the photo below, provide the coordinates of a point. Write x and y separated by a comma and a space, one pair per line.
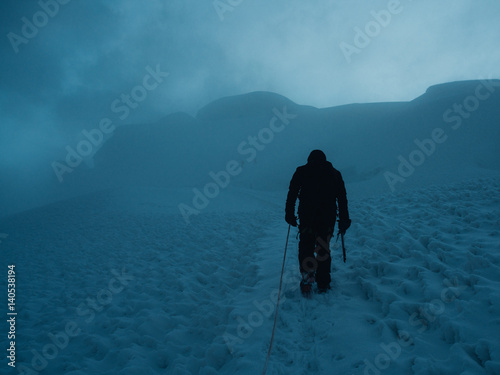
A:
118, 282
142, 292
363, 140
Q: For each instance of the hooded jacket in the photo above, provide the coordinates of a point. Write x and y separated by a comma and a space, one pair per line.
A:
319, 186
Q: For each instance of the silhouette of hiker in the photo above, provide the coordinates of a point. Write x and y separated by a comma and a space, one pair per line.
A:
319, 187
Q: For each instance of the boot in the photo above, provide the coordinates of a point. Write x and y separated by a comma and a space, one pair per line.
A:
306, 283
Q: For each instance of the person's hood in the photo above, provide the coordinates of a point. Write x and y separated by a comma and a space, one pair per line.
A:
316, 156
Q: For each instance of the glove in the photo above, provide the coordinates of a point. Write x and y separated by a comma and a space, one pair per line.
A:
344, 224
291, 219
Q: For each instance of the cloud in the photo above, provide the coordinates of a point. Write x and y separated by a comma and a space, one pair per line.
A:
66, 77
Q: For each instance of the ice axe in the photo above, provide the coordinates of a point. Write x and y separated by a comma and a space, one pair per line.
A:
343, 245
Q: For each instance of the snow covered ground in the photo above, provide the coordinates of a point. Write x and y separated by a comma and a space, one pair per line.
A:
120, 282
117, 283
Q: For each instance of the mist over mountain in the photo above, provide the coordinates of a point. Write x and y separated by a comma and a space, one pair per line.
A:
449, 133
146, 153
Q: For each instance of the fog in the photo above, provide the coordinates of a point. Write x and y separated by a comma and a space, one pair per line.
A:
67, 65
146, 151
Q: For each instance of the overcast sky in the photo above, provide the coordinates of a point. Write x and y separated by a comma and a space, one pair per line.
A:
64, 76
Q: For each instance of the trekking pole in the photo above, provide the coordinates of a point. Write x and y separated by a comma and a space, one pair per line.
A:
277, 306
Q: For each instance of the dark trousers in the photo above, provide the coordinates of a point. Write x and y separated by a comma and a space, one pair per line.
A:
316, 239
